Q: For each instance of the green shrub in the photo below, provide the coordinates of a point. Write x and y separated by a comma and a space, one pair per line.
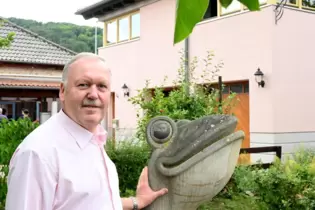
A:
285, 185
11, 135
190, 99
130, 158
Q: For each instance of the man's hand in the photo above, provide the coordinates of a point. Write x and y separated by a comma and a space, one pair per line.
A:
145, 195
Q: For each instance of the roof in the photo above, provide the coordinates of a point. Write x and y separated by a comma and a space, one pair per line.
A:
93, 6
104, 7
29, 84
28, 47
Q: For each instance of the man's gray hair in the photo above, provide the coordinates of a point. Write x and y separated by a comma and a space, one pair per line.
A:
74, 59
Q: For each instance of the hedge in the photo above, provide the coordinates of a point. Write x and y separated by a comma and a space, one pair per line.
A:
288, 184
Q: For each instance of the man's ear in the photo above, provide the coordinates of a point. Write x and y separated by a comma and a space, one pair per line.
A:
62, 92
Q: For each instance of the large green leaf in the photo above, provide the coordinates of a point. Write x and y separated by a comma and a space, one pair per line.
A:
225, 3
190, 12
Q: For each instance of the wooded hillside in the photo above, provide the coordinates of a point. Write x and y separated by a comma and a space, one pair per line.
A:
71, 36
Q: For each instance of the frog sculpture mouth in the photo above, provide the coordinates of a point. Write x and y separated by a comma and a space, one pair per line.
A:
180, 146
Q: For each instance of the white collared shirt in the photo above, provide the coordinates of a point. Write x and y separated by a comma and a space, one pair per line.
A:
59, 167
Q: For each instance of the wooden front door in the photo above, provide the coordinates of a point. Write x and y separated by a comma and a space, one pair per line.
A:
241, 111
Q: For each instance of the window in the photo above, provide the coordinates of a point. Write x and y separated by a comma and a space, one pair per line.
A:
111, 29
261, 2
309, 4
215, 9
246, 88
212, 10
135, 25
238, 87
304, 4
235, 6
123, 34
166, 91
289, 2
122, 29
226, 89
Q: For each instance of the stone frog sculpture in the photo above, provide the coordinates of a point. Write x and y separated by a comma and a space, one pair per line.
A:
193, 159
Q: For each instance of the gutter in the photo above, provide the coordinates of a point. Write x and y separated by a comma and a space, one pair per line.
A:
186, 48
29, 87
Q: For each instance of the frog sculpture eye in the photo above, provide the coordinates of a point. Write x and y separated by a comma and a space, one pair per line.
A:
160, 130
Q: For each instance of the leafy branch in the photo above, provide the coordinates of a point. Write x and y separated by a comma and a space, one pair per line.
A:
7, 40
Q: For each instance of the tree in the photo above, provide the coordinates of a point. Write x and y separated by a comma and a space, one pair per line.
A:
190, 12
74, 37
6, 41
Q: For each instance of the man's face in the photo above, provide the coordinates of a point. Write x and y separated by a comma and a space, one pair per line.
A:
87, 92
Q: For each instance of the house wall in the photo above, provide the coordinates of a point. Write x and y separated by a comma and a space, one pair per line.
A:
149, 58
153, 56
292, 90
242, 48
244, 42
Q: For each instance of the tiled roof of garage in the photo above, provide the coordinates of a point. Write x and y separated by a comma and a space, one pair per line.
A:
29, 47
10, 83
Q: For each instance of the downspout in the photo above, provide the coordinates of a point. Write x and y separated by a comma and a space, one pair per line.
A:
95, 38
186, 48
104, 122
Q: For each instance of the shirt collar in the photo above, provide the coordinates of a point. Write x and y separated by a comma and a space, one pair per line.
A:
80, 134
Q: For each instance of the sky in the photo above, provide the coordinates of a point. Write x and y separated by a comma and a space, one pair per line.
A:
47, 10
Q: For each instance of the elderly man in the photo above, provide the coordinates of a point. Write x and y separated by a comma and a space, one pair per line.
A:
62, 164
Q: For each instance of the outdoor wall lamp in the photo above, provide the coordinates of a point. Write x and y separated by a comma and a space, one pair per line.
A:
126, 90
259, 77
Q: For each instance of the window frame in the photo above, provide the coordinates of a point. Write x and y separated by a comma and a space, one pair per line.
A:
230, 12
300, 2
242, 8
117, 19
299, 5
105, 32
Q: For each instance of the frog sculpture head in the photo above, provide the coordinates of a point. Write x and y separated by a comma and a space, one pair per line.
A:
193, 159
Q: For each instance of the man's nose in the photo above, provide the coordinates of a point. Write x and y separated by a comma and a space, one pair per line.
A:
93, 92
